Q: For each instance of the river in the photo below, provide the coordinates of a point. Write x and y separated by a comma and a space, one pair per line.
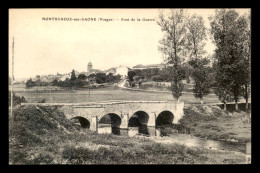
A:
183, 139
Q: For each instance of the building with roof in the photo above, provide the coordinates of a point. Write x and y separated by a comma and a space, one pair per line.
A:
159, 66
139, 67
151, 66
122, 71
111, 70
91, 69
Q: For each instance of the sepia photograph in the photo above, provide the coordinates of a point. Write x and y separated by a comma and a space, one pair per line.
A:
129, 86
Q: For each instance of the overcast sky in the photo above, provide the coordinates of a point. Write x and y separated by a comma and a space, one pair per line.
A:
47, 47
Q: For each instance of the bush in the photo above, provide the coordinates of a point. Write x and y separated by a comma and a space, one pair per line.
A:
30, 83
42, 101
17, 100
30, 122
17, 156
157, 78
41, 159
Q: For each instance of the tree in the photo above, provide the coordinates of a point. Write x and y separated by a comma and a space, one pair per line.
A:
223, 93
73, 79
222, 89
38, 82
198, 62
173, 45
140, 81
55, 82
131, 75
165, 74
110, 78
66, 83
188, 70
101, 78
176, 83
246, 41
29, 83
228, 29
82, 77
81, 80
202, 84
16, 99
196, 34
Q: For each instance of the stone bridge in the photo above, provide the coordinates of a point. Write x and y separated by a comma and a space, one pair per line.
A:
123, 114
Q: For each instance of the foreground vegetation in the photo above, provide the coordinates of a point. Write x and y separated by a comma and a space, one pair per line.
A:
42, 135
211, 122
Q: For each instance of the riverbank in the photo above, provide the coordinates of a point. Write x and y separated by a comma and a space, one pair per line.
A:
42, 135
211, 122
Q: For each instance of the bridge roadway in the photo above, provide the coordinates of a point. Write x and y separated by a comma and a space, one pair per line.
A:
121, 112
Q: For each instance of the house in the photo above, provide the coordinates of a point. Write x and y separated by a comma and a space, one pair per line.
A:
63, 77
151, 66
111, 70
139, 67
122, 71
159, 66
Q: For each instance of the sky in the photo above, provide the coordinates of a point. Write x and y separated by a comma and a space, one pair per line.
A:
46, 47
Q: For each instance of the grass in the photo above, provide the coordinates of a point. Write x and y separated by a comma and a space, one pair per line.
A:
214, 123
105, 94
142, 155
42, 135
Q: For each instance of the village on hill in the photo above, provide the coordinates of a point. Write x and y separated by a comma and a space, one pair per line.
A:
120, 70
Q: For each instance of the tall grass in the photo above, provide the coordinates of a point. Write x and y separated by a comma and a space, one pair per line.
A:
148, 153
210, 122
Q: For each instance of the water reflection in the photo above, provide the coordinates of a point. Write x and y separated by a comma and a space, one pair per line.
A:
188, 140
106, 128
115, 130
143, 129
192, 141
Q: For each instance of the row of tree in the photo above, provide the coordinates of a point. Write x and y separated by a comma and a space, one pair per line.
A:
103, 78
184, 40
73, 82
30, 83
154, 74
231, 34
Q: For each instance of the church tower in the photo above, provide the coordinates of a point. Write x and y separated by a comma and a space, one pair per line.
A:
90, 67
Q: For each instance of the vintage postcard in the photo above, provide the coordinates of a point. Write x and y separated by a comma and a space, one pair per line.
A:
129, 86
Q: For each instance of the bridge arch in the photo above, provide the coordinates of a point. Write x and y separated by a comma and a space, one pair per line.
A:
165, 118
113, 120
139, 119
81, 121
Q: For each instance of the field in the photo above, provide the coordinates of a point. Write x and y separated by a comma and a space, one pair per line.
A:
101, 94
